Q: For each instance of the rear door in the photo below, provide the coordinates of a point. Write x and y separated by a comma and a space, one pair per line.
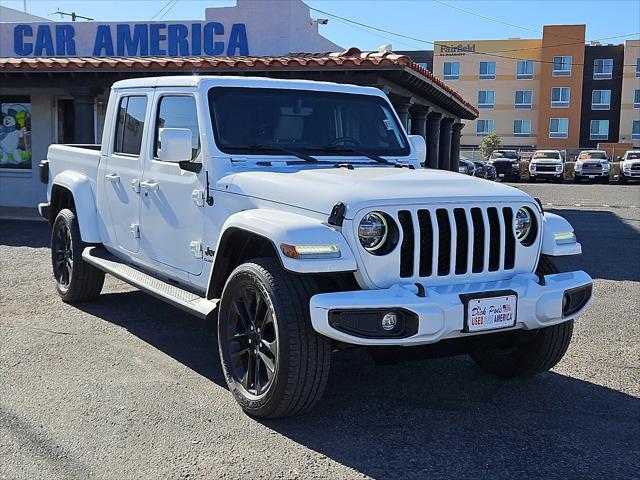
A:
124, 167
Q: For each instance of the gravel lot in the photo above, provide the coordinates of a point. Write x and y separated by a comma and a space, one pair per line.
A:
128, 387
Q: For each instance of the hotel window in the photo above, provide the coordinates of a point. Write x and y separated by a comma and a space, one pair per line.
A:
523, 99
484, 127
635, 130
451, 70
487, 70
637, 67
562, 66
558, 128
602, 68
636, 99
425, 66
521, 128
524, 70
486, 98
560, 96
601, 100
599, 130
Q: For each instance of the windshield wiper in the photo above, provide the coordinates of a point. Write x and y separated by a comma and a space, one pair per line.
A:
264, 149
372, 156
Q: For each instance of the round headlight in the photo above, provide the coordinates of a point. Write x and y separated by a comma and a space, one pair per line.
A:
373, 231
522, 224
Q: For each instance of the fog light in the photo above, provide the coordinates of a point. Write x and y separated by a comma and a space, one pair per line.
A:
389, 321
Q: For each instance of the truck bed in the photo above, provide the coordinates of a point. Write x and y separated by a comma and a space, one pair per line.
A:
81, 159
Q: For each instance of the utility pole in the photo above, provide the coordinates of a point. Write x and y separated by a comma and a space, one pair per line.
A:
74, 16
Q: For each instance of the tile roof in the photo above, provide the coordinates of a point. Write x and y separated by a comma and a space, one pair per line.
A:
351, 58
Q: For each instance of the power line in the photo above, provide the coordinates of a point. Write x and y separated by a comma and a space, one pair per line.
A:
168, 9
163, 8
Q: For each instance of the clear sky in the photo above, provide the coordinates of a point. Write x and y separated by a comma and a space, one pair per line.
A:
424, 19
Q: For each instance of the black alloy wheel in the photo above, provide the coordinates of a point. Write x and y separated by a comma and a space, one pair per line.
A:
62, 255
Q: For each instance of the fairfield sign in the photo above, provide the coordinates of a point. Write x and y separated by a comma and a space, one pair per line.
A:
459, 49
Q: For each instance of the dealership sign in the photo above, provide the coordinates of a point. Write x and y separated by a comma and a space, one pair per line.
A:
459, 49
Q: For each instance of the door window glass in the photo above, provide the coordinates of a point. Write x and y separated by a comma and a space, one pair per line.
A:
130, 124
178, 112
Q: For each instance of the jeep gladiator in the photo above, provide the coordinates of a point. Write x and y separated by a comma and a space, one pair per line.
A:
296, 216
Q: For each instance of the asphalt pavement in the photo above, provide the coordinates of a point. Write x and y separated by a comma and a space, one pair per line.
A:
128, 387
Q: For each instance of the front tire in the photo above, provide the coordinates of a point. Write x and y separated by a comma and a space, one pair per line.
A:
274, 363
76, 280
530, 355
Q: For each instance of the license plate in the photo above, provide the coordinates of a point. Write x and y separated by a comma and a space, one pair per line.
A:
501, 175
592, 176
491, 313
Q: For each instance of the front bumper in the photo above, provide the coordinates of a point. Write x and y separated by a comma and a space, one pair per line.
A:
440, 311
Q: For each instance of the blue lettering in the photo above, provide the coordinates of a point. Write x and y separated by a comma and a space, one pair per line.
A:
138, 44
44, 42
178, 43
209, 46
103, 42
238, 40
65, 44
156, 37
21, 48
196, 39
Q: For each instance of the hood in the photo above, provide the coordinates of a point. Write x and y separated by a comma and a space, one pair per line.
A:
319, 189
549, 161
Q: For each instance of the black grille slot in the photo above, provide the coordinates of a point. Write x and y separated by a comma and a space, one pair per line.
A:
478, 240
426, 243
444, 239
408, 244
494, 239
462, 240
509, 239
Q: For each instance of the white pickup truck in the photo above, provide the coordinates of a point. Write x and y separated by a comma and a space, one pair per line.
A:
296, 215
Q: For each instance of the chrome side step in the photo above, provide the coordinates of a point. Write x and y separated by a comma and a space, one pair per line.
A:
183, 299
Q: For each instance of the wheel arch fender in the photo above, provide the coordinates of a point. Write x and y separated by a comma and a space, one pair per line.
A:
78, 186
558, 236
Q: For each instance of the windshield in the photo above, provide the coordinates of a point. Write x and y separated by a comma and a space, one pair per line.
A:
251, 120
633, 155
550, 155
592, 155
504, 154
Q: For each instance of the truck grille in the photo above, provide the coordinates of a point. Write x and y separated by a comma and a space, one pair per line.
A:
461, 241
503, 167
635, 166
545, 168
592, 166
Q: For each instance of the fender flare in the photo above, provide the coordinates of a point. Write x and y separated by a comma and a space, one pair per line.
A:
552, 225
84, 200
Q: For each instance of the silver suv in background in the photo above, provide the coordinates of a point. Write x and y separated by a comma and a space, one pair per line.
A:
592, 165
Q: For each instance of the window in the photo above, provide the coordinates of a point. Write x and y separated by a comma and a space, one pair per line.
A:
601, 100
484, 127
178, 112
558, 128
425, 66
486, 98
130, 125
638, 67
636, 99
560, 96
15, 132
562, 66
635, 130
521, 128
524, 70
602, 68
451, 70
599, 130
523, 98
487, 70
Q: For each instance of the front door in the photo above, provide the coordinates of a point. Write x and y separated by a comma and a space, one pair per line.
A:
173, 198
123, 171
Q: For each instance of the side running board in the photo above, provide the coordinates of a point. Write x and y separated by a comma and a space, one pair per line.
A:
183, 299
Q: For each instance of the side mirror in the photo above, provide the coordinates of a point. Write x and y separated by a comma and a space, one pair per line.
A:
174, 145
420, 147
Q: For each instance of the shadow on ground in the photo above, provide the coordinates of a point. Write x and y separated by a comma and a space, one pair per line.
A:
17, 233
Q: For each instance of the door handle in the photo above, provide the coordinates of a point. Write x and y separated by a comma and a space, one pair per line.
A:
113, 178
149, 186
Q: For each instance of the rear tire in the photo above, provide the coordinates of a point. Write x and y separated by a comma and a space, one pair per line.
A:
265, 306
529, 356
76, 280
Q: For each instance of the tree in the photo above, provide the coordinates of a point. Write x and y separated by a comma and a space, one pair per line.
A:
489, 143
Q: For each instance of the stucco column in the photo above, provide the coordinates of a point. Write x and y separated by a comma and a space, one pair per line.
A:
83, 102
433, 139
444, 154
456, 132
402, 109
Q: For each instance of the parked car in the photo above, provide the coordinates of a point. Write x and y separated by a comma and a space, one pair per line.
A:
294, 216
467, 167
592, 165
507, 164
480, 170
546, 164
630, 166
492, 174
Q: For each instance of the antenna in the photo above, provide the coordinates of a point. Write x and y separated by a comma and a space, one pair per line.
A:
74, 16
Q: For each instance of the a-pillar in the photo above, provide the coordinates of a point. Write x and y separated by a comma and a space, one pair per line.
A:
444, 154
83, 104
433, 139
456, 132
